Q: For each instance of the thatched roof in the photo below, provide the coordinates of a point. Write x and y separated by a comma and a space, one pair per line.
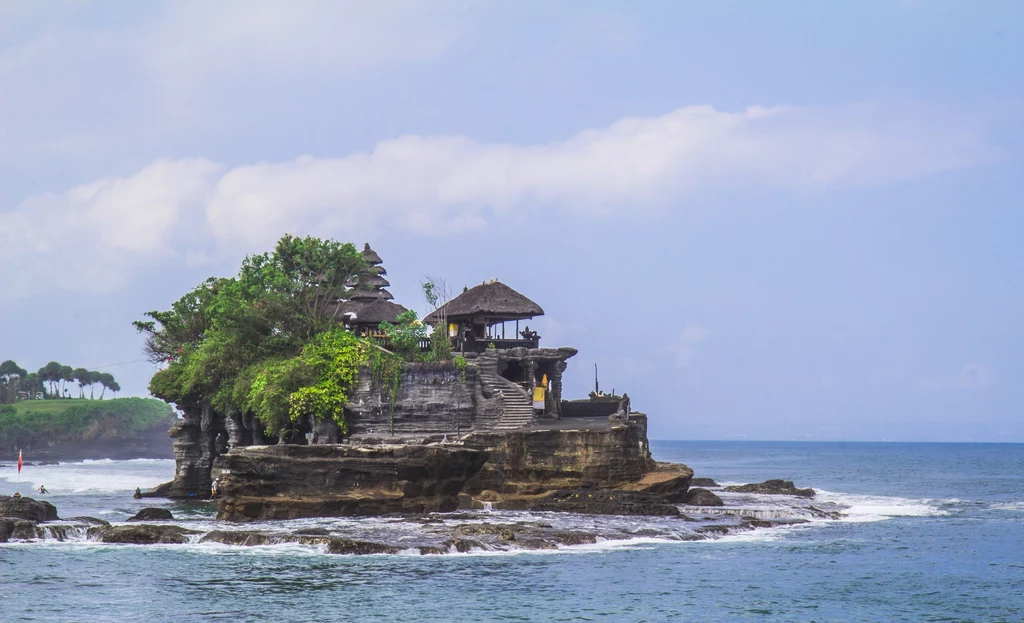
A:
370, 294
367, 281
493, 300
370, 313
370, 284
370, 255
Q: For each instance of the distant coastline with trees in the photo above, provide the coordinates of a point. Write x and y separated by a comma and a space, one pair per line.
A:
52, 381
63, 412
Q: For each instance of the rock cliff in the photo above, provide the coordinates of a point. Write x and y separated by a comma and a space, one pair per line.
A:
531, 461
290, 481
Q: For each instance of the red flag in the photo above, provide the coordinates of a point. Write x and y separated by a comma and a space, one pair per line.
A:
19, 461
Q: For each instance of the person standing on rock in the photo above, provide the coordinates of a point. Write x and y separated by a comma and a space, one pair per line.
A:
215, 487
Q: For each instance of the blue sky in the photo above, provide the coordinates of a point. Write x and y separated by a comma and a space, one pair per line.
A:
762, 220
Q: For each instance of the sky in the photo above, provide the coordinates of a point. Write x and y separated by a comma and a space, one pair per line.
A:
763, 221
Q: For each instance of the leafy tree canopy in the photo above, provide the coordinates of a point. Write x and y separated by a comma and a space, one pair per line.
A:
265, 341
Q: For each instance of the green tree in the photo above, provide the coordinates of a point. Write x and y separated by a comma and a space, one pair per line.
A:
238, 343
11, 376
67, 375
32, 384
84, 377
437, 293
405, 334
107, 381
51, 374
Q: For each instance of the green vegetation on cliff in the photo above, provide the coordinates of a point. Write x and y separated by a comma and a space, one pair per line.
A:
267, 341
35, 423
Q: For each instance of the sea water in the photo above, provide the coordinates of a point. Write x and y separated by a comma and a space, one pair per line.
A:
928, 532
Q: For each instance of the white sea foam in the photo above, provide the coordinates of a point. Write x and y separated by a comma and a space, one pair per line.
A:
1009, 506
863, 508
99, 476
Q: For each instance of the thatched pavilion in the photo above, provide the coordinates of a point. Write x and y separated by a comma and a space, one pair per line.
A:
478, 318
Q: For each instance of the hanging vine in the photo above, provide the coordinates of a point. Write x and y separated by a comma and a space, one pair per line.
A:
386, 373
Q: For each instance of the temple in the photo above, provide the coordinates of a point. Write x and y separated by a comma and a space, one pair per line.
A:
509, 380
499, 394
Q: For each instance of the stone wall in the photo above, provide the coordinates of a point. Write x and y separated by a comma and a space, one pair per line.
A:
535, 461
433, 398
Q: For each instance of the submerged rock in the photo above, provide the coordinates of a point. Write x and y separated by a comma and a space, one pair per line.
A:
27, 508
236, 537
463, 545
159, 491
772, 487
606, 502
359, 548
152, 514
143, 534
19, 530
89, 521
703, 497
704, 482
312, 532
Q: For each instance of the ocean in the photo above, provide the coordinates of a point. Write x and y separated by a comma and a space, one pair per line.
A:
927, 532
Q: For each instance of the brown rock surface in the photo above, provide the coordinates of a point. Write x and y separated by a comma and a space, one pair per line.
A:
772, 487
605, 502
27, 508
529, 461
152, 514
703, 497
671, 481
291, 481
141, 534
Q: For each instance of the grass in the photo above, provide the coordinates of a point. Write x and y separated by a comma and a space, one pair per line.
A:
48, 406
34, 423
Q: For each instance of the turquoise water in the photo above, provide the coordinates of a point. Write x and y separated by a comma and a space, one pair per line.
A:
931, 532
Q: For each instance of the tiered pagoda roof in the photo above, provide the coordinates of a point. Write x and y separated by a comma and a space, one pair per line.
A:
369, 304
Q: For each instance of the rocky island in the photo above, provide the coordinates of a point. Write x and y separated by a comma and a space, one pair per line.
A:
376, 416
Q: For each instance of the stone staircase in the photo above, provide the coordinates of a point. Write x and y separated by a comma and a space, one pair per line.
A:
517, 411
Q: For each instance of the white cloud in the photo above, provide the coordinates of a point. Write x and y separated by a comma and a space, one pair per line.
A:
96, 236
429, 184
971, 376
199, 37
91, 77
685, 345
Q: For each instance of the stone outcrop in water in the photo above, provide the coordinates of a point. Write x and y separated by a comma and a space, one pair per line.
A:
290, 481
703, 497
772, 487
142, 534
704, 482
152, 514
27, 508
591, 501
18, 529
530, 461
